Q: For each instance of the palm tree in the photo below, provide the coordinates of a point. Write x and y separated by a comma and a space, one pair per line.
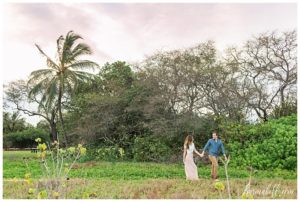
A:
61, 77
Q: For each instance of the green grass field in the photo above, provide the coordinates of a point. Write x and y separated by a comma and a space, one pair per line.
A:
140, 180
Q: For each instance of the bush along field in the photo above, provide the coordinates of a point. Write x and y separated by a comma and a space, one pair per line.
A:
268, 146
262, 165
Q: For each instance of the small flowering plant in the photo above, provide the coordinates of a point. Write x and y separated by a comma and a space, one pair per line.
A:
55, 160
56, 164
220, 187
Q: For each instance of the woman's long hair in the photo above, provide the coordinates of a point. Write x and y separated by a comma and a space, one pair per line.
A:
188, 140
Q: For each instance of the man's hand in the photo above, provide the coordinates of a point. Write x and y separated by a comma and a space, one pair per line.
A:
202, 154
225, 157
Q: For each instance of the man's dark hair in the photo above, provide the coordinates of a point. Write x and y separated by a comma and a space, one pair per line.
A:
216, 132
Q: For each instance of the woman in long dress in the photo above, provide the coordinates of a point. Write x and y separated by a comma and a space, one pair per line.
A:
190, 167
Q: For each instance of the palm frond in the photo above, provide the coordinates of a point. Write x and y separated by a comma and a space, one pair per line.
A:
37, 75
39, 87
83, 65
50, 62
59, 44
65, 74
50, 94
68, 43
71, 85
79, 50
84, 76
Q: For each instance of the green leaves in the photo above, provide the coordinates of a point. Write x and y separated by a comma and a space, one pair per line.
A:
107, 153
25, 138
150, 149
274, 145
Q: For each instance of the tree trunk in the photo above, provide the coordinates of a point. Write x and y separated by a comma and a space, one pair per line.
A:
265, 118
282, 100
53, 132
60, 115
53, 127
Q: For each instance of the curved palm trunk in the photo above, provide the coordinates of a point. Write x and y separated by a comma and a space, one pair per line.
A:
53, 129
60, 115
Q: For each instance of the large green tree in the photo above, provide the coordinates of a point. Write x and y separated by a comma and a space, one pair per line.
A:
99, 109
62, 75
17, 97
13, 122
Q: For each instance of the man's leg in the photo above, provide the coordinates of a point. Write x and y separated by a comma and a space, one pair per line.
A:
214, 166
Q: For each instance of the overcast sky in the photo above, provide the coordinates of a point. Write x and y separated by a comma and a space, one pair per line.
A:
128, 32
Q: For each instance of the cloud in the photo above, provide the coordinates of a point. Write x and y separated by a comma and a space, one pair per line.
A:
129, 31
120, 31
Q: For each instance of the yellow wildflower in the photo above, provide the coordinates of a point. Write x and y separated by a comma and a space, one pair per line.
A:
219, 186
31, 191
42, 147
85, 195
246, 195
43, 155
71, 150
15, 180
42, 195
38, 139
55, 194
66, 170
82, 151
27, 176
29, 181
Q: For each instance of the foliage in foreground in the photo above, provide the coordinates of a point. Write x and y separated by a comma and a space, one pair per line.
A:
157, 189
55, 165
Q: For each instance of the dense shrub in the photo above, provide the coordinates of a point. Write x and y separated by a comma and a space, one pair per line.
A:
110, 153
150, 149
268, 145
105, 153
25, 138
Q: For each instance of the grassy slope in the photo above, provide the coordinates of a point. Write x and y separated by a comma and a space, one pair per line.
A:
14, 167
141, 180
156, 188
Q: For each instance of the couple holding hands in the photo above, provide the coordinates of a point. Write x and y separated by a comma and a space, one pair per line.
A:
213, 145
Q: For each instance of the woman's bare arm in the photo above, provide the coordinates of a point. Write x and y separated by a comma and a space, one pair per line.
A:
184, 153
195, 150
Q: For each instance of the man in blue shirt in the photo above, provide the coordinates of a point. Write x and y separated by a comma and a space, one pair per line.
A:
213, 145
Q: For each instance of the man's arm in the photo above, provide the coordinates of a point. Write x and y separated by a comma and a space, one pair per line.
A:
205, 147
223, 150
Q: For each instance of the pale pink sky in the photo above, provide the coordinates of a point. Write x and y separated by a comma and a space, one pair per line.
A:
130, 31
120, 31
